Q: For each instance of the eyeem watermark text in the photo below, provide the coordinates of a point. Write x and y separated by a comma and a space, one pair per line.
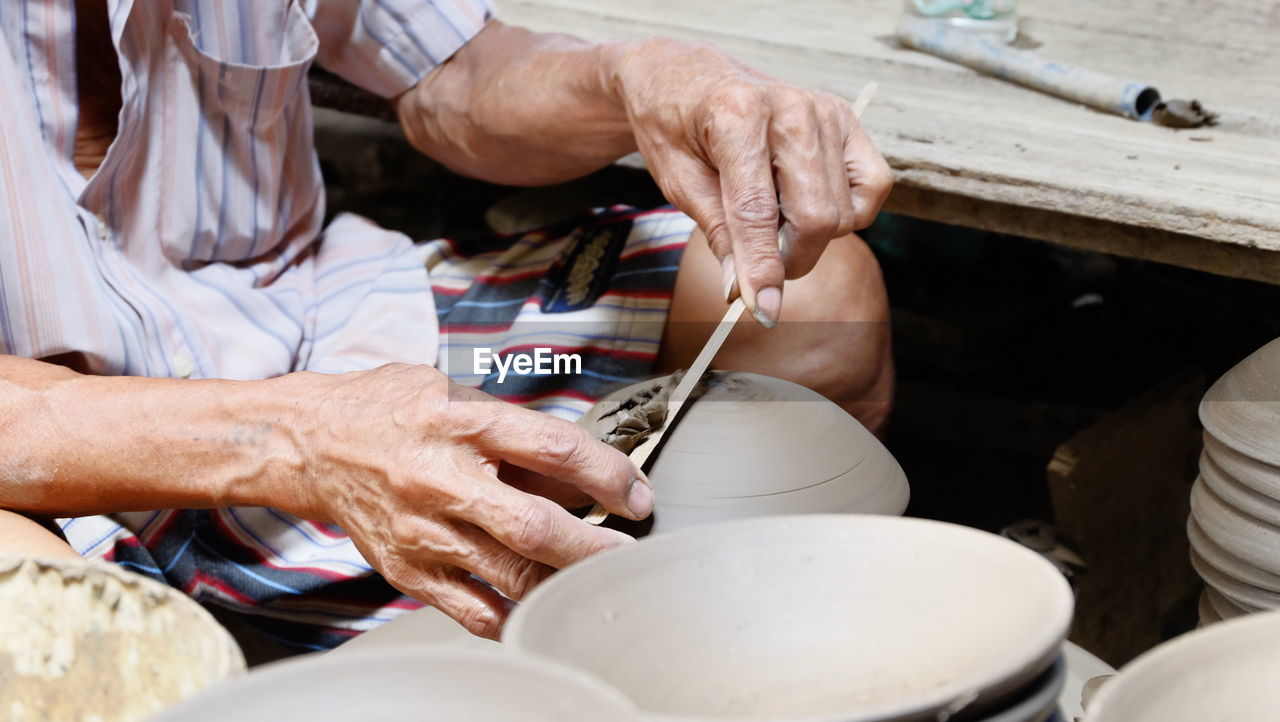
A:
542, 362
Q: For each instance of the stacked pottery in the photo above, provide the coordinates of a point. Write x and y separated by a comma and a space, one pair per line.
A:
1225, 672
755, 445
812, 618
1234, 527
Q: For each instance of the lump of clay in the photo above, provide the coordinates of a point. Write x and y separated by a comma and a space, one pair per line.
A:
752, 445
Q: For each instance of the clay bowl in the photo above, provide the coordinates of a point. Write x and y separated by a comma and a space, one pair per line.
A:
818, 617
1225, 671
1258, 476
1237, 495
1242, 409
1226, 563
87, 640
754, 445
426, 627
1208, 615
1242, 535
1037, 702
409, 685
1242, 593
1225, 608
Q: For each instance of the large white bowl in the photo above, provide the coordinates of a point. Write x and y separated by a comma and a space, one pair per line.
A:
409, 685
1225, 672
819, 617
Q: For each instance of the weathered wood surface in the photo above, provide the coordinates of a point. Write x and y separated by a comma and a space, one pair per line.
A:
973, 150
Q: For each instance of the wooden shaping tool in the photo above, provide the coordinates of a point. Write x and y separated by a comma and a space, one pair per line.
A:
640, 455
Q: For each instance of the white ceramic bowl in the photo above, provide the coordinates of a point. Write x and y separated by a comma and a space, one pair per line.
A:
409, 685
1242, 409
1237, 494
1239, 533
1242, 593
1223, 561
819, 617
1261, 477
1038, 701
1225, 608
1225, 672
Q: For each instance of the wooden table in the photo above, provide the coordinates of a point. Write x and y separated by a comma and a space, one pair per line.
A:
975, 151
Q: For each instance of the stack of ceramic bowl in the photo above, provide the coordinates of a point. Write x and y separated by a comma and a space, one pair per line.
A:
754, 445
1235, 504
817, 618
1224, 672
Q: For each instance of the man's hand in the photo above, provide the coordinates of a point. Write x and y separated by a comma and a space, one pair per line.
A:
743, 153
408, 464
724, 142
433, 482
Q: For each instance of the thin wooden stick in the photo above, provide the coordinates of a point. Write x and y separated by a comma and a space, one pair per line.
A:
640, 454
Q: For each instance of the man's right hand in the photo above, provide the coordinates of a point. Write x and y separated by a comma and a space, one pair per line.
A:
426, 478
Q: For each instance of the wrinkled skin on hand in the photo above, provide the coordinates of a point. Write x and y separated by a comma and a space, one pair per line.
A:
740, 151
435, 483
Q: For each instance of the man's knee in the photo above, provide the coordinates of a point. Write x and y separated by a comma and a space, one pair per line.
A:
23, 537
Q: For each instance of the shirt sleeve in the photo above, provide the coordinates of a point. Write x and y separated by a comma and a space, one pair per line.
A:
387, 46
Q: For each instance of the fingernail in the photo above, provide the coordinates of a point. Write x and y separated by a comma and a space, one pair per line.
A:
768, 306
729, 276
640, 499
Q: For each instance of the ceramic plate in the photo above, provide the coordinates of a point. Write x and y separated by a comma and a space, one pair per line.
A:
409, 685
1038, 702
821, 617
1225, 671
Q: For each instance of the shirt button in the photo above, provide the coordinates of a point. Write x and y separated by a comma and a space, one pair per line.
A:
183, 364
103, 232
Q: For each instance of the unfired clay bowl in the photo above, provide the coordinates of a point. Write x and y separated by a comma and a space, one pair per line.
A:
1227, 563
1208, 615
1242, 593
818, 617
1225, 671
1225, 608
1242, 535
426, 627
409, 685
1235, 494
1258, 476
1242, 409
755, 445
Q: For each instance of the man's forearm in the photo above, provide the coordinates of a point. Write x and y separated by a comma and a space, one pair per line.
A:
521, 108
75, 445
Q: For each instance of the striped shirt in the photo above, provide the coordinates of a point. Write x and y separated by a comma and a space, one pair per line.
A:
197, 248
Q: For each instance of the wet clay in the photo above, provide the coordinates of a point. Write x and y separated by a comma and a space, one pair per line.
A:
624, 424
